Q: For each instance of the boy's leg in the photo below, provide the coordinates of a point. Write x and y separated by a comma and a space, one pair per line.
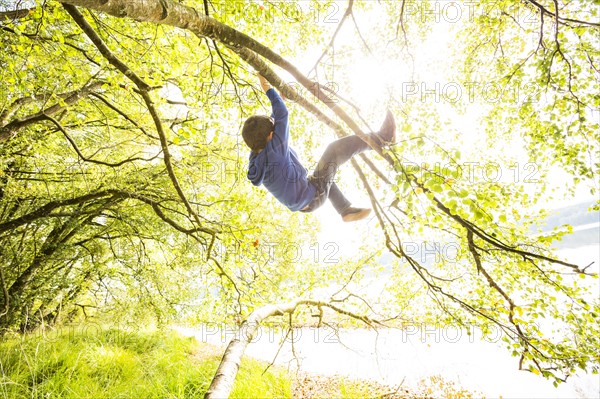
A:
342, 150
337, 198
337, 153
339, 202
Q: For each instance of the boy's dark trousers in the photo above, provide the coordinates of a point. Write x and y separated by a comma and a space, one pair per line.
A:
337, 153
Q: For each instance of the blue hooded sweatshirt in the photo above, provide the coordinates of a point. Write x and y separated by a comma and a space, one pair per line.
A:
277, 166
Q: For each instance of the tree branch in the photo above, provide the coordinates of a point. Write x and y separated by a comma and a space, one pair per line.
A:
123, 114
14, 15
6, 305
559, 19
337, 30
224, 378
83, 157
11, 129
144, 88
49, 207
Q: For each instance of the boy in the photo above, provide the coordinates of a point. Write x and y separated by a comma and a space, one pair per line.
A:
276, 165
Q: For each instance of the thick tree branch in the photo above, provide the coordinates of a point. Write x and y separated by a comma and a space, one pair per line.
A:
59, 235
143, 88
14, 15
104, 50
49, 207
11, 109
11, 129
224, 378
46, 210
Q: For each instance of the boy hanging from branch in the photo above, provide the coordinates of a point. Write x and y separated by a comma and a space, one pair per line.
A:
275, 164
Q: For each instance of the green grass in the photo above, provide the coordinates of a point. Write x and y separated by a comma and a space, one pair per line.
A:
117, 364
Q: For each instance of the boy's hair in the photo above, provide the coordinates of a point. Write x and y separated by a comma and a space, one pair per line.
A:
256, 130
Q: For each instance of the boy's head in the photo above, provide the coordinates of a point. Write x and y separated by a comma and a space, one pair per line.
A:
257, 132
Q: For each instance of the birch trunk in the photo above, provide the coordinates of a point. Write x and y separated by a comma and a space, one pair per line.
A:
222, 382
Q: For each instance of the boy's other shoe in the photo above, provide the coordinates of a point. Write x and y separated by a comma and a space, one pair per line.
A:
387, 132
353, 214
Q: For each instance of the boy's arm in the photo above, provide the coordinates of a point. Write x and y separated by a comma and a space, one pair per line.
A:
266, 85
280, 112
279, 108
263, 83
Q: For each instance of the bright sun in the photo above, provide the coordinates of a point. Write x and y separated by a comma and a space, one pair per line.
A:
368, 82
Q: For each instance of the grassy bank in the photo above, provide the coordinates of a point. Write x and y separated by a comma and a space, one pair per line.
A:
89, 363
95, 363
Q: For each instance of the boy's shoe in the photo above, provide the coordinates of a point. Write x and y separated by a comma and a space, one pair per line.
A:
387, 132
353, 214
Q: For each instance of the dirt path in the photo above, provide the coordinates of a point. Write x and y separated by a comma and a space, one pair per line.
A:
312, 386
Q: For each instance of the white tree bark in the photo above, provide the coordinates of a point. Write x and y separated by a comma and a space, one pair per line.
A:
222, 382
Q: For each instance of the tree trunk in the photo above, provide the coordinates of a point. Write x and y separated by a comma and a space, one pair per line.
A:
222, 382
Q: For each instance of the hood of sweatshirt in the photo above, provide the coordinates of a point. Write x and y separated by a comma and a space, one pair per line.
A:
257, 167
